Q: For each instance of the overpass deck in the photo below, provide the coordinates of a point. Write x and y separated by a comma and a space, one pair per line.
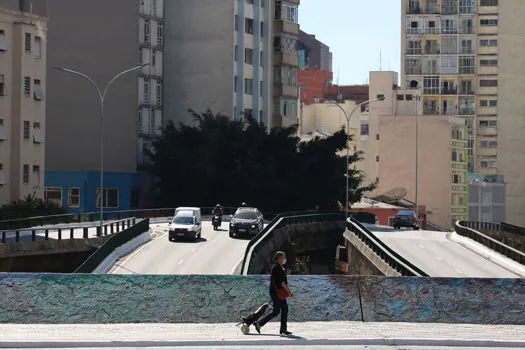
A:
440, 255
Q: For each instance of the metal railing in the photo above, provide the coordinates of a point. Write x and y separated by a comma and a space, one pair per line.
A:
463, 229
282, 220
387, 254
63, 232
37, 221
113, 243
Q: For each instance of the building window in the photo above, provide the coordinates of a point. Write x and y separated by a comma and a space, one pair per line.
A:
3, 90
409, 97
235, 83
488, 123
467, 64
3, 133
365, 131
38, 92
248, 113
249, 1
377, 159
261, 88
3, 180
3, 42
160, 35
38, 137
489, 3
488, 83
236, 22
248, 26
27, 42
146, 92
110, 196
400, 97
36, 175
488, 63
38, 47
236, 53
147, 31
27, 86
25, 175
488, 103
248, 56
488, 164
262, 29
261, 58
73, 197
289, 108
285, 43
488, 42
152, 122
489, 144
286, 12
377, 137
159, 93
26, 130
53, 195
489, 22
248, 86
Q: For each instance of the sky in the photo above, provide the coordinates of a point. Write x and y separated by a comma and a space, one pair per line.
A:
356, 31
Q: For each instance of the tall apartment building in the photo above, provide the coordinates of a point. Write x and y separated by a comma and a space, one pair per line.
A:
100, 38
313, 54
468, 56
235, 57
395, 129
22, 103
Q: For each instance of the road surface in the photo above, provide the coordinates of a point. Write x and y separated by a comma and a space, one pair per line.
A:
437, 255
214, 253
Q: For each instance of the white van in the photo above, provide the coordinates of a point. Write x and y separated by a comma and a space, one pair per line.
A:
196, 212
186, 224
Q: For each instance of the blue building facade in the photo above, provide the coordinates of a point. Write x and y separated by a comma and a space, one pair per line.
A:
79, 192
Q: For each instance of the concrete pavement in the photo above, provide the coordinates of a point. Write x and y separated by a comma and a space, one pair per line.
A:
214, 254
306, 335
438, 256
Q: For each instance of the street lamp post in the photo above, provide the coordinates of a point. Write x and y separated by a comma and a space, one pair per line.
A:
348, 118
102, 97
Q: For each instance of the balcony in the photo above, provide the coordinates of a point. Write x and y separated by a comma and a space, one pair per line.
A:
280, 90
466, 111
466, 92
449, 91
432, 51
467, 70
286, 27
414, 31
282, 58
423, 10
467, 30
414, 71
416, 51
430, 111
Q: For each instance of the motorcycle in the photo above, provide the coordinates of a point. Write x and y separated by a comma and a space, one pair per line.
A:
216, 221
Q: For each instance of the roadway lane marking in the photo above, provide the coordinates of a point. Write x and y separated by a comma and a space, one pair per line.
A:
458, 271
232, 272
438, 258
181, 261
421, 246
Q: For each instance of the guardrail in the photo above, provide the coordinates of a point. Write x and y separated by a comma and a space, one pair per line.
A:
111, 244
14, 224
463, 229
389, 256
64, 232
282, 220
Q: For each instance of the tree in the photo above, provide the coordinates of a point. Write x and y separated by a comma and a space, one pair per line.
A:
28, 207
225, 161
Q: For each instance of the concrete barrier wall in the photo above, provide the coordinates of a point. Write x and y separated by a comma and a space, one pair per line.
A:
72, 299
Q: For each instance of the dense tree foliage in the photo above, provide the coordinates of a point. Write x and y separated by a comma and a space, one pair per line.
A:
229, 162
28, 207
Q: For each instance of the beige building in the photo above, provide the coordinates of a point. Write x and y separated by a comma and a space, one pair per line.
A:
235, 57
327, 118
469, 58
23, 46
390, 151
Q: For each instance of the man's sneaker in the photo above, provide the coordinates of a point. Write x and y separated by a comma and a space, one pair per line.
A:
257, 327
285, 333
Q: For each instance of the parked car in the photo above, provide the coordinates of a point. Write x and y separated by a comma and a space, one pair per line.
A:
246, 221
185, 225
406, 218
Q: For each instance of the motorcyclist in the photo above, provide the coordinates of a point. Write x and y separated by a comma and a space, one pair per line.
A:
243, 205
218, 210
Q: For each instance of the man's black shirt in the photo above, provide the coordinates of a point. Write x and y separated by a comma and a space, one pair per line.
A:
277, 277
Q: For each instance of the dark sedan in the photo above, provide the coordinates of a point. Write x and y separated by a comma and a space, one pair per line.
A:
246, 222
406, 218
